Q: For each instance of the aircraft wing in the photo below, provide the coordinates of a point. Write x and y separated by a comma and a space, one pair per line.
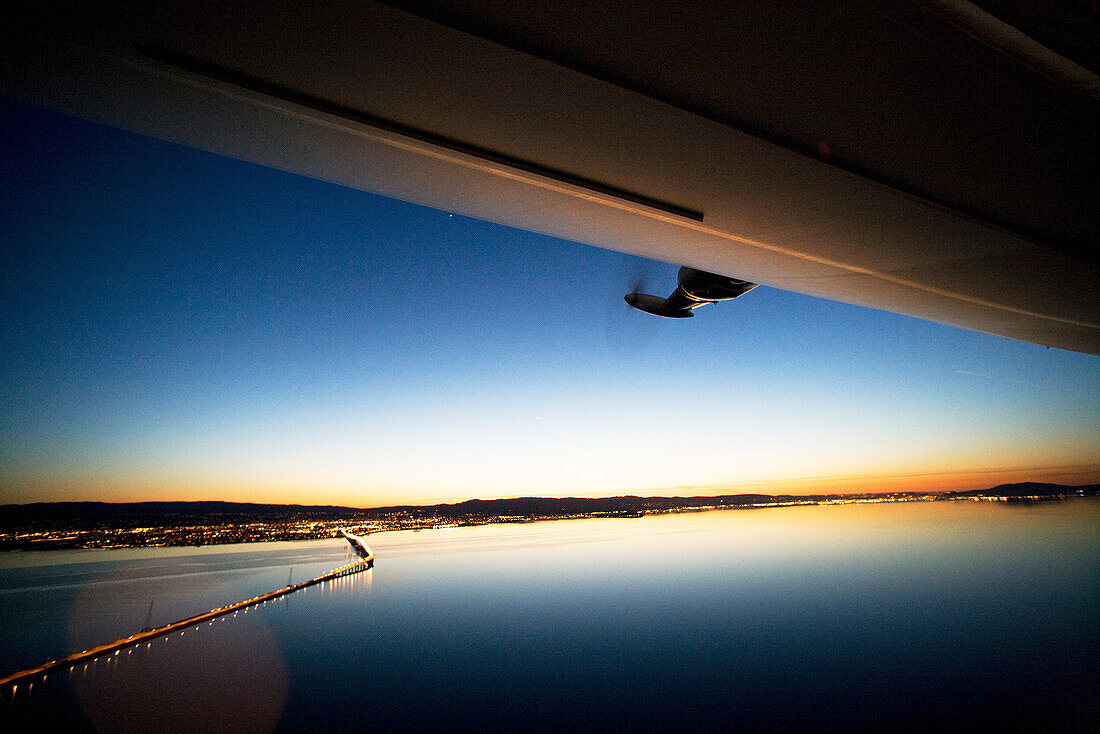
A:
928, 158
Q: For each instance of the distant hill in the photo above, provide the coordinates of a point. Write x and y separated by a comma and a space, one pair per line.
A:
521, 506
94, 515
1029, 489
86, 515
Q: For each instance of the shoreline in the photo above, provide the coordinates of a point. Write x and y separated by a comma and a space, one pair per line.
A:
289, 530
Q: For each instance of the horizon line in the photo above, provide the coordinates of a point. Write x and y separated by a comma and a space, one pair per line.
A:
557, 497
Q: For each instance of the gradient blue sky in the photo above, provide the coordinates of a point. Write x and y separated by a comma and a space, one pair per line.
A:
178, 325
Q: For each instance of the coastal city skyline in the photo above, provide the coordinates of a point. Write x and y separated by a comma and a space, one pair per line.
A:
182, 326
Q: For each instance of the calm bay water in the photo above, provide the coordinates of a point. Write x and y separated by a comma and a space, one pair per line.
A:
925, 616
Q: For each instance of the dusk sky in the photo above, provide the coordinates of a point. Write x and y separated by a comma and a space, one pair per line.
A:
179, 326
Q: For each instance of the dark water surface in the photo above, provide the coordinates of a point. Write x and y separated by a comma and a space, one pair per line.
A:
925, 616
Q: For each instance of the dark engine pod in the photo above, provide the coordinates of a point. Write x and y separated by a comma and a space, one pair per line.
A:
694, 288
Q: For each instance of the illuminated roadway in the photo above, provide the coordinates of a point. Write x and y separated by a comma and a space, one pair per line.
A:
358, 544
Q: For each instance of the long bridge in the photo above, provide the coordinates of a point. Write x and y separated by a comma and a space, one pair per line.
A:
358, 544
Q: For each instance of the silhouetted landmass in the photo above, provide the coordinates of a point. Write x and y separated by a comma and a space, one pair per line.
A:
90, 515
44, 525
1027, 489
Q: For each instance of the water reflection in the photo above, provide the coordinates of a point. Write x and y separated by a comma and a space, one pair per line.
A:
929, 616
219, 678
